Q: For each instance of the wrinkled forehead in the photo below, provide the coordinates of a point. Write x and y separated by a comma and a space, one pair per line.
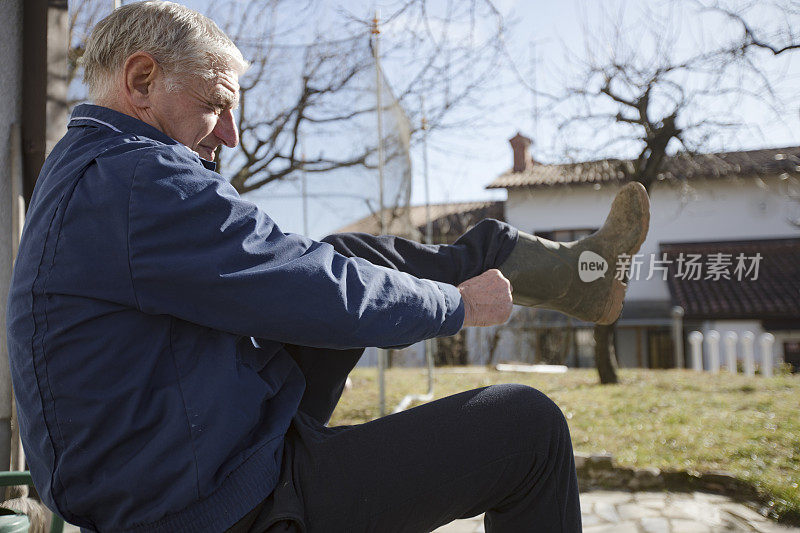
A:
225, 88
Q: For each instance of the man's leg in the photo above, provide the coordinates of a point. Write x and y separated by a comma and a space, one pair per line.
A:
325, 371
542, 273
504, 450
545, 273
483, 247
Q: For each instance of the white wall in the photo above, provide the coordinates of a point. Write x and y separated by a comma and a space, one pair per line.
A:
709, 210
627, 349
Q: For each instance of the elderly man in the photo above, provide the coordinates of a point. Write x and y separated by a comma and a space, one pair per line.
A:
176, 357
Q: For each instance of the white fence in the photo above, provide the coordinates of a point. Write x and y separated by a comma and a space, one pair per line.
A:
735, 348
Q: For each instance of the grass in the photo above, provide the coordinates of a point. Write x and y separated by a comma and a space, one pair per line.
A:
669, 419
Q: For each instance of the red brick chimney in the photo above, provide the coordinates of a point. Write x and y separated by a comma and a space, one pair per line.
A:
522, 157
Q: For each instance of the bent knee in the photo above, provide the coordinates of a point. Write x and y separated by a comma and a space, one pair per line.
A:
529, 404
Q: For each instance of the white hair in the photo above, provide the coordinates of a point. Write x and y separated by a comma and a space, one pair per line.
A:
182, 41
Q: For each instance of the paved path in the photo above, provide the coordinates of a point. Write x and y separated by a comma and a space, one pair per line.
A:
655, 512
649, 512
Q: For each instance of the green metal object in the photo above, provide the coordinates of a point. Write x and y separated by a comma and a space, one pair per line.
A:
10, 479
14, 522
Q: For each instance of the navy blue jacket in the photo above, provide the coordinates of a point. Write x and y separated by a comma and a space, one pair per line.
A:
146, 320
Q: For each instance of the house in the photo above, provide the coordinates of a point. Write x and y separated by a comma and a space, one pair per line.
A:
448, 221
723, 253
732, 218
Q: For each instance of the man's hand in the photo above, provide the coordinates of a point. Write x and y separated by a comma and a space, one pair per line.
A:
487, 299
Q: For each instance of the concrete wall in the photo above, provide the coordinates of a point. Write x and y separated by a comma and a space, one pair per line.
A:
739, 327
10, 113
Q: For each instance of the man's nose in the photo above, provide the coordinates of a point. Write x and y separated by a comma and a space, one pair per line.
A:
226, 130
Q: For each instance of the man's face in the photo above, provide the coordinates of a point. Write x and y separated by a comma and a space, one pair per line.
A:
199, 113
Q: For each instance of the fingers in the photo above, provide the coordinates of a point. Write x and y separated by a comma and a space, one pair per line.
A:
487, 299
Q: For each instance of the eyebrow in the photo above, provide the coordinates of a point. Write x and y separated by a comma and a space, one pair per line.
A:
225, 98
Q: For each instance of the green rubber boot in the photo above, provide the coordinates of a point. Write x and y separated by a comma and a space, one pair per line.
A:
579, 278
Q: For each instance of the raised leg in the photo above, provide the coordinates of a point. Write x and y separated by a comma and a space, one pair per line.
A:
557, 275
485, 246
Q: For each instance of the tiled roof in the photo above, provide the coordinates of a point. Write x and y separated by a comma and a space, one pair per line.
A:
448, 218
682, 166
773, 294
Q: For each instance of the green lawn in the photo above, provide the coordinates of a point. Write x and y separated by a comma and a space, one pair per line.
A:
670, 419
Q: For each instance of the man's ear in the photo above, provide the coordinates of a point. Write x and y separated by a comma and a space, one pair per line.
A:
140, 72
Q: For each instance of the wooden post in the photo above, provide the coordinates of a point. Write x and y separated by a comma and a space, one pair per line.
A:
639, 355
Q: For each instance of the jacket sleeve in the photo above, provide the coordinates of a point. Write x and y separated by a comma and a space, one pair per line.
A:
203, 254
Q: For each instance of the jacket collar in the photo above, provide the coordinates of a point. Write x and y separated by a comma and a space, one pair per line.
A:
98, 116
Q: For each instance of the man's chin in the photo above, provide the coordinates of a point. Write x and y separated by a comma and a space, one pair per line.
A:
205, 153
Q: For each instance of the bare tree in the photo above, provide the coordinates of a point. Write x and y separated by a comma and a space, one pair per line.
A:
778, 37
83, 15
299, 94
312, 77
646, 95
308, 101
493, 342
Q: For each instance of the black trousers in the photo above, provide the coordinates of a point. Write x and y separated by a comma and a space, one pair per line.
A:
504, 450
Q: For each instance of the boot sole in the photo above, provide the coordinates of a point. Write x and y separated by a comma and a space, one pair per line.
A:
617, 290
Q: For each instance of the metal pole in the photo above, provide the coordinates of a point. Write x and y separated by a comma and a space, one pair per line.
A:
430, 346
535, 110
381, 216
378, 90
428, 221
304, 193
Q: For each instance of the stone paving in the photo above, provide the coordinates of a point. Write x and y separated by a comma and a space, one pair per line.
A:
649, 512
655, 512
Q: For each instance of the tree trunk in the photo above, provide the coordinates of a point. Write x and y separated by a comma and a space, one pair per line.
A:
494, 342
603, 355
451, 351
